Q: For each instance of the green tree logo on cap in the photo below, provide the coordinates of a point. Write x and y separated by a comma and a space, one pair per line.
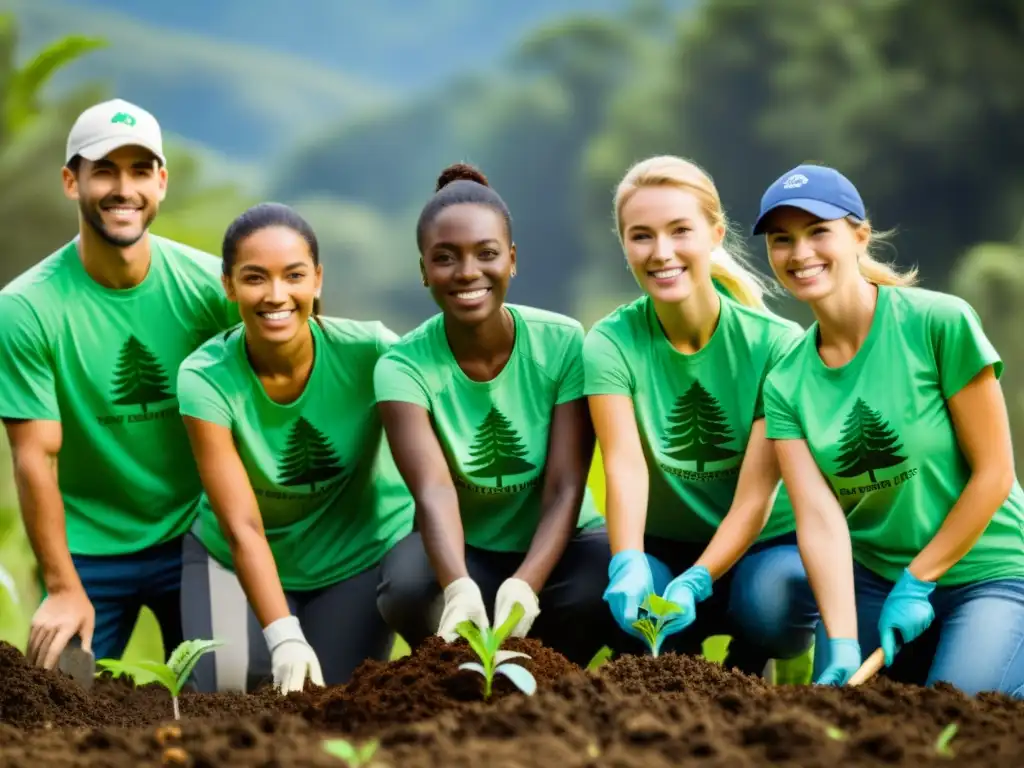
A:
123, 117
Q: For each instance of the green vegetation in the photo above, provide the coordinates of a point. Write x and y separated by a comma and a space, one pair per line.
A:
486, 644
173, 675
354, 756
600, 658
658, 612
942, 743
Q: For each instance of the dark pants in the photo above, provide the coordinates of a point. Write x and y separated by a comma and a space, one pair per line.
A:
120, 585
340, 622
573, 620
764, 603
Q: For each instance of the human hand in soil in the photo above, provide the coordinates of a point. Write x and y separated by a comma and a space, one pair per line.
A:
906, 610
292, 659
843, 660
686, 590
632, 576
462, 602
514, 591
62, 615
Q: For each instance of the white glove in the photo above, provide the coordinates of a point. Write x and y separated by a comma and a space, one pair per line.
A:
514, 591
462, 602
291, 657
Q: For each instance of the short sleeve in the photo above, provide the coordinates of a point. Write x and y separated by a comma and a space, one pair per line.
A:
961, 348
781, 345
397, 380
27, 383
199, 398
781, 420
570, 383
386, 339
605, 369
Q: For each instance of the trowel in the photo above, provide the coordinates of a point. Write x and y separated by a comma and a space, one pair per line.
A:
79, 664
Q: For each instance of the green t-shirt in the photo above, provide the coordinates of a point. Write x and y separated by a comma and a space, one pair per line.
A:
694, 412
330, 496
102, 362
494, 433
880, 431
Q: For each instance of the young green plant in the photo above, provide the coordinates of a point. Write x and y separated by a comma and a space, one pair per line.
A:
599, 659
173, 675
354, 757
659, 610
486, 644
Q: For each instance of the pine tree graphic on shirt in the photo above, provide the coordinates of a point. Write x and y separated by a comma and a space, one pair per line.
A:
868, 443
498, 450
308, 457
139, 379
698, 430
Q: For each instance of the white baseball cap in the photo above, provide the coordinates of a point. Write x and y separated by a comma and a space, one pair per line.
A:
102, 128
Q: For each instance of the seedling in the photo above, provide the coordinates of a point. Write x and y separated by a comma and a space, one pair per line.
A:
600, 658
485, 643
942, 743
173, 675
354, 756
836, 734
651, 628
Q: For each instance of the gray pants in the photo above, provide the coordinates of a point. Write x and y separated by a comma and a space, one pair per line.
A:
573, 620
341, 623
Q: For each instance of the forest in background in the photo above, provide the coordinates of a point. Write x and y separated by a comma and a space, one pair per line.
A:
349, 114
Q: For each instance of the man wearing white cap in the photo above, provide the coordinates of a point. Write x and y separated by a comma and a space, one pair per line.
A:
91, 339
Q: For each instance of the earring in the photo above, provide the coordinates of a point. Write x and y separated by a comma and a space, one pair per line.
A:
513, 271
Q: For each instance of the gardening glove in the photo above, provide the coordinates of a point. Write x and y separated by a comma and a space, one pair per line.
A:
686, 590
462, 602
843, 660
632, 576
514, 591
906, 610
291, 657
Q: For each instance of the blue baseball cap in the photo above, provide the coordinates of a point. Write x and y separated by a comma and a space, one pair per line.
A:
821, 191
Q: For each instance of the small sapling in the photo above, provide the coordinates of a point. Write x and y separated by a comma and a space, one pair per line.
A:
942, 743
173, 675
486, 644
600, 658
354, 757
659, 610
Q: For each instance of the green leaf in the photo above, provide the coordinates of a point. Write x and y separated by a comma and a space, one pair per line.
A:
20, 103
141, 672
601, 657
341, 749
659, 606
647, 628
184, 659
367, 751
502, 632
942, 743
520, 676
471, 632
836, 734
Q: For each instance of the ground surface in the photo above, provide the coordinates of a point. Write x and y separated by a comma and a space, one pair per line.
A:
673, 711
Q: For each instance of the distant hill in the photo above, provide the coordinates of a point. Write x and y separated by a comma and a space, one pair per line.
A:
405, 44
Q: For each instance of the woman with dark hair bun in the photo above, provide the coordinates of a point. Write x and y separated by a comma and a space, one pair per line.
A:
483, 405
302, 498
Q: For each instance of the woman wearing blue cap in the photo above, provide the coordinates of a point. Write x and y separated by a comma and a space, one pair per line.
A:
893, 440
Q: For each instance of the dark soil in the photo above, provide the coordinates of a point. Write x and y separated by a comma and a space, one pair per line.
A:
637, 711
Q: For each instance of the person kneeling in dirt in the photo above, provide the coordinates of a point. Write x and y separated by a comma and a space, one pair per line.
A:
302, 496
695, 512
893, 438
483, 405
88, 337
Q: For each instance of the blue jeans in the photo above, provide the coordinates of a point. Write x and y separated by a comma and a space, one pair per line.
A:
119, 585
764, 603
975, 643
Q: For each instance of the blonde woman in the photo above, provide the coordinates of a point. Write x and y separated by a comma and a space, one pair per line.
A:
893, 439
695, 512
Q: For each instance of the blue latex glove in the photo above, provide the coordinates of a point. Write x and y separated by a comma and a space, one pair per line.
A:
686, 590
843, 660
632, 576
906, 610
